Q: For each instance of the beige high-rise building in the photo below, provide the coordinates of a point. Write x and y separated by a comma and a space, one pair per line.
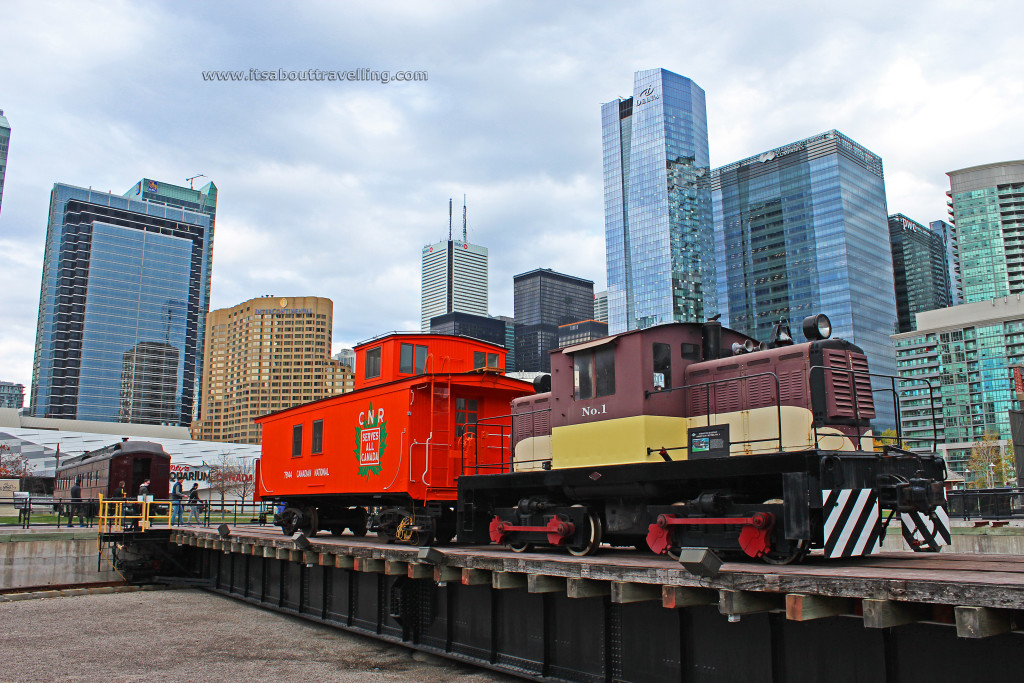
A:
265, 355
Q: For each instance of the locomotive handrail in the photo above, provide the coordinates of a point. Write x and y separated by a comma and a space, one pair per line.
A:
896, 402
931, 407
707, 398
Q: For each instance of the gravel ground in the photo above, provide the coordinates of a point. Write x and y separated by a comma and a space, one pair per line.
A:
191, 635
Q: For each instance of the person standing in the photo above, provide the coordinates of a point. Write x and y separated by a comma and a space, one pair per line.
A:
176, 495
76, 504
193, 503
144, 489
120, 495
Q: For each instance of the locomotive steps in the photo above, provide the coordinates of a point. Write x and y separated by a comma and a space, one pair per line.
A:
980, 595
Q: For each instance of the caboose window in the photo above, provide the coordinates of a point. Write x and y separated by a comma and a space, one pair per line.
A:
479, 359
372, 363
465, 416
296, 441
663, 363
595, 373
318, 437
405, 358
412, 359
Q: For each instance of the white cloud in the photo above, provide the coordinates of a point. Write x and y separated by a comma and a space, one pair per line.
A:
331, 189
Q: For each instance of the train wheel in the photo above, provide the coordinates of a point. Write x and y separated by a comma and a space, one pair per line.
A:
794, 556
291, 518
591, 537
520, 547
309, 525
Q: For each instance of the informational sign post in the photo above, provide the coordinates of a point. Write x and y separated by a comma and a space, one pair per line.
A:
8, 487
708, 442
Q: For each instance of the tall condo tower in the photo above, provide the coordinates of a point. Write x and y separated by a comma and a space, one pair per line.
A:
987, 208
122, 309
454, 277
658, 220
245, 374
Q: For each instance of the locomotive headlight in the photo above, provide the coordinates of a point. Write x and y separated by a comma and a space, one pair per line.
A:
817, 327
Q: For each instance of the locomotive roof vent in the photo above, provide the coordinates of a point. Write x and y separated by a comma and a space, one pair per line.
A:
817, 327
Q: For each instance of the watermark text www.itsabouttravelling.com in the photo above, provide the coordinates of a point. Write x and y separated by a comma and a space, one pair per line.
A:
353, 75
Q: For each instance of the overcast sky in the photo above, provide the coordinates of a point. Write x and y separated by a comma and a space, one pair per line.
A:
332, 188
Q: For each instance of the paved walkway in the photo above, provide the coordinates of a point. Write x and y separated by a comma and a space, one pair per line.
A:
191, 635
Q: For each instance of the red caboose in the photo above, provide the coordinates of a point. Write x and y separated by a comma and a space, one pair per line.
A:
426, 409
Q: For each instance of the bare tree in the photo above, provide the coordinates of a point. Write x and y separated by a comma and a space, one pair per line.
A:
233, 476
989, 464
13, 466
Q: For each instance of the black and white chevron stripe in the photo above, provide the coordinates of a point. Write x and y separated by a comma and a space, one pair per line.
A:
852, 522
926, 531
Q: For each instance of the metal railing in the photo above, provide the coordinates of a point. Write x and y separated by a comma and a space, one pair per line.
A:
125, 515
1005, 503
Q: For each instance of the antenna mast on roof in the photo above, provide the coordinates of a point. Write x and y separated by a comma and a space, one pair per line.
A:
464, 240
449, 219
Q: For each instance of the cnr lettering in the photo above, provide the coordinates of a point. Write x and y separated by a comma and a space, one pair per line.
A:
365, 416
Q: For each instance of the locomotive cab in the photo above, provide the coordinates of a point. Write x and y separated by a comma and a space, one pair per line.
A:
643, 396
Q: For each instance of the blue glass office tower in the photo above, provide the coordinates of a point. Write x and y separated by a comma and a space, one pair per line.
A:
803, 229
657, 205
203, 200
122, 309
920, 270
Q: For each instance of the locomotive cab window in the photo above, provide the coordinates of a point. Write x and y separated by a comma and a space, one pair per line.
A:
594, 373
296, 441
372, 363
662, 354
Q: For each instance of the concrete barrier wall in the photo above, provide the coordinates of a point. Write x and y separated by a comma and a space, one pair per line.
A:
982, 541
36, 559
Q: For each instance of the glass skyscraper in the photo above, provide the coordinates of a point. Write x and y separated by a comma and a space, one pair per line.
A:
657, 205
987, 207
203, 200
5, 142
544, 300
122, 309
949, 242
802, 229
920, 270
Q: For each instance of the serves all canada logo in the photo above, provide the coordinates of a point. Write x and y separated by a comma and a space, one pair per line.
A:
371, 440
